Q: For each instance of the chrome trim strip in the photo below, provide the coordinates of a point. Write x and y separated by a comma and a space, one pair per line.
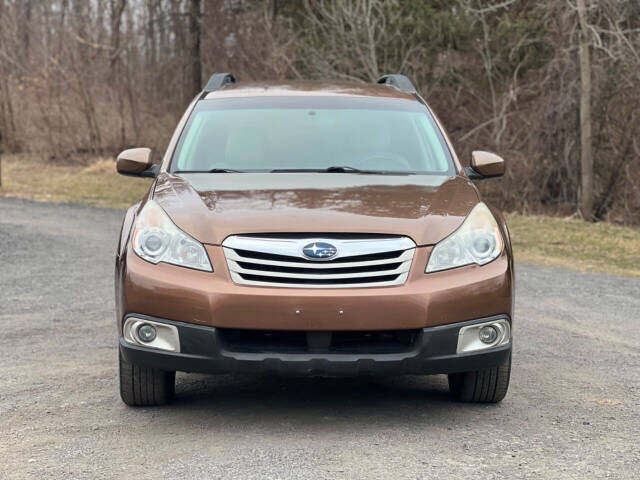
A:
233, 256
241, 281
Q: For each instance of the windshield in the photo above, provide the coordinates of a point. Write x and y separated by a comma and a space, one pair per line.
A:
290, 133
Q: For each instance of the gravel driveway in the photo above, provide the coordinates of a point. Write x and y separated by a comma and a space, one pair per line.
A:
573, 409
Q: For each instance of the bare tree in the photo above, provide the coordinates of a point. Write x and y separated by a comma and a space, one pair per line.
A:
195, 60
7, 119
551, 85
358, 40
116, 72
586, 147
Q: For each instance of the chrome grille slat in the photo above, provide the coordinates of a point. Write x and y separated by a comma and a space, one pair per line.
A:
398, 281
291, 246
233, 256
392, 269
404, 267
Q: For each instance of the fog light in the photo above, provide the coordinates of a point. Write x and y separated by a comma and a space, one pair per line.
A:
488, 334
481, 336
146, 333
161, 336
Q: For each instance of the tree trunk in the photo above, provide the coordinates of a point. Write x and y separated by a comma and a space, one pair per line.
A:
26, 38
195, 60
586, 147
7, 120
152, 57
115, 71
132, 75
179, 47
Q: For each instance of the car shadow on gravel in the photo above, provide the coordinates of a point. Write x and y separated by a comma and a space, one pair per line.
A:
261, 401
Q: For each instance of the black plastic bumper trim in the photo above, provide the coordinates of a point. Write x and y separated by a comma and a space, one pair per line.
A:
202, 352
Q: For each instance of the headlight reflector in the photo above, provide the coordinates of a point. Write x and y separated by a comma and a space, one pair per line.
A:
478, 240
157, 239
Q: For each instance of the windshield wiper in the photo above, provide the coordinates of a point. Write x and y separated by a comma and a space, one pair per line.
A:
212, 170
347, 169
335, 169
339, 169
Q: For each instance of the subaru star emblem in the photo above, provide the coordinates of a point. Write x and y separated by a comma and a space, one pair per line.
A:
319, 251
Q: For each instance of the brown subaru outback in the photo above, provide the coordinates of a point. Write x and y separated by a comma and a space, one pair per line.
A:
321, 229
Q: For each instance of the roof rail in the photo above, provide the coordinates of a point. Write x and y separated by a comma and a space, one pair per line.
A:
399, 82
217, 82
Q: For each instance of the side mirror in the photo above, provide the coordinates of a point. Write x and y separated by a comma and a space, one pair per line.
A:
485, 165
136, 162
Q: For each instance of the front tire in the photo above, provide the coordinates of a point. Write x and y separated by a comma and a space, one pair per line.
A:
482, 386
144, 386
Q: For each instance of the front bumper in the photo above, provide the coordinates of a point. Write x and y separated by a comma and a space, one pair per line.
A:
202, 350
213, 300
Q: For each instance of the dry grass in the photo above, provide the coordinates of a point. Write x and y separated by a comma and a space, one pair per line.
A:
572, 243
95, 183
551, 241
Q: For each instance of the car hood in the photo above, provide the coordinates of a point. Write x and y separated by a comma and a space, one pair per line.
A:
211, 207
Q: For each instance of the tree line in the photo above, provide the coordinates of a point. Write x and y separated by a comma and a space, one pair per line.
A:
553, 86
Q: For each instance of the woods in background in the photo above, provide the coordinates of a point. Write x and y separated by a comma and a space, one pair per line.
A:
553, 86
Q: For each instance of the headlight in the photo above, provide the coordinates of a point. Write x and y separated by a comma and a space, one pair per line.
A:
156, 239
478, 241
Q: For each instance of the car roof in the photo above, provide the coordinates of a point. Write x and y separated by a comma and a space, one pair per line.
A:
309, 88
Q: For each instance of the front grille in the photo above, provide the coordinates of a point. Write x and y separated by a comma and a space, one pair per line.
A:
359, 262
346, 342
